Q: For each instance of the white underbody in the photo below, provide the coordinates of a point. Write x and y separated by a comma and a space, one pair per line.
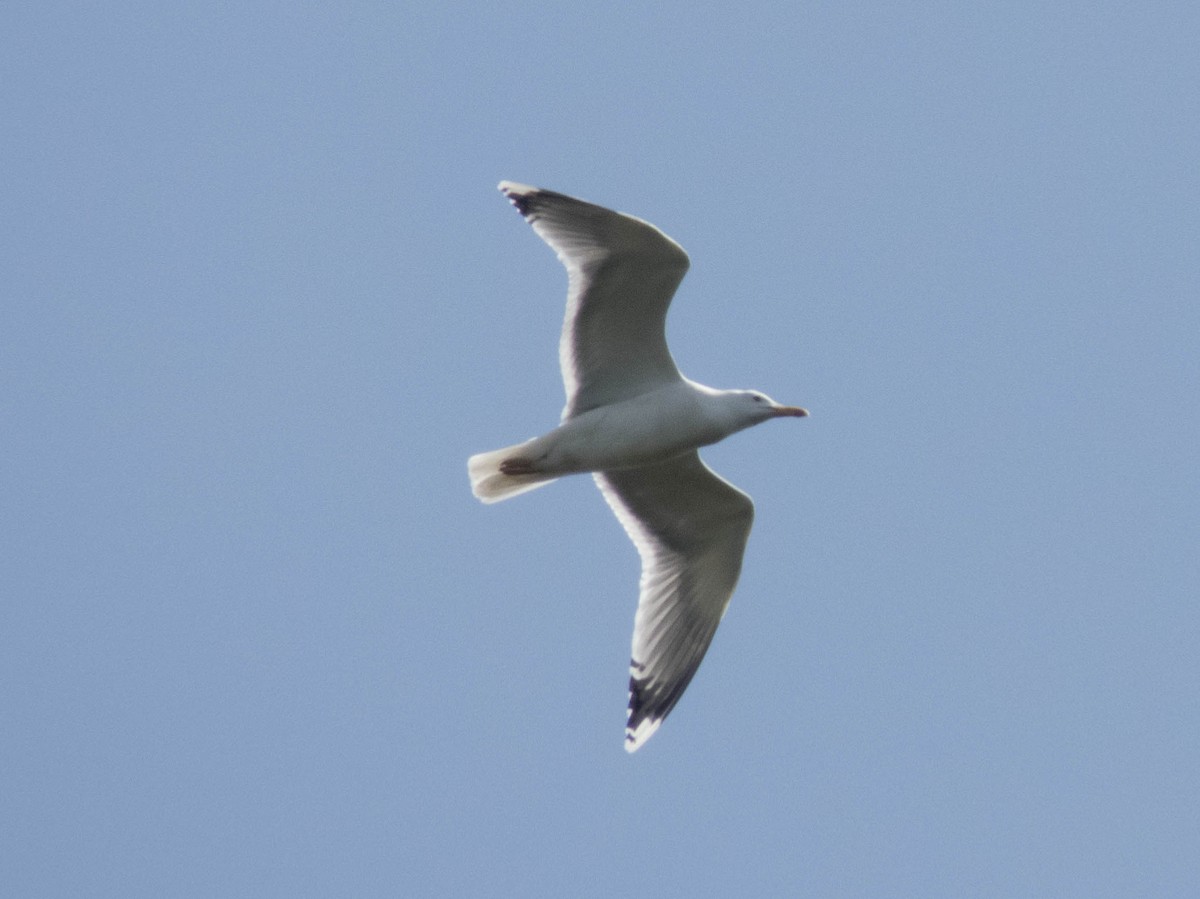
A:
675, 419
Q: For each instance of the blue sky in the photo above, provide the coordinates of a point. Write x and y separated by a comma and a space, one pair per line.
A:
262, 300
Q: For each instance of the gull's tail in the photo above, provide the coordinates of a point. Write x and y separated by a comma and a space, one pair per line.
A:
491, 485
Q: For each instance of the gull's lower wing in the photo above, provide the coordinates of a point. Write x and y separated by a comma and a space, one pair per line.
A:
690, 527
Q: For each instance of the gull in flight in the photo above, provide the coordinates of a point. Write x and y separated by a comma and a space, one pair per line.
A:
635, 423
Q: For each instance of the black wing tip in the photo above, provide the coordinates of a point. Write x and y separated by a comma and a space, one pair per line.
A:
530, 200
642, 706
522, 196
644, 716
649, 704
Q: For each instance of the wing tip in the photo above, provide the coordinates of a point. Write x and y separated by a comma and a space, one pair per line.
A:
520, 195
644, 716
516, 187
636, 737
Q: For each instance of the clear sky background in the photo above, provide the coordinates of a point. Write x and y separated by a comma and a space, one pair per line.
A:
261, 300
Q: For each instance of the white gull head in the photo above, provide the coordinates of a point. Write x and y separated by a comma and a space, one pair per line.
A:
745, 408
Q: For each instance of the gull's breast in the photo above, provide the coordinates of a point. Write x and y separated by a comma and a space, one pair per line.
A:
631, 433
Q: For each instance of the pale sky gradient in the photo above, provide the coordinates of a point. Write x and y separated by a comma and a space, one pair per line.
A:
262, 300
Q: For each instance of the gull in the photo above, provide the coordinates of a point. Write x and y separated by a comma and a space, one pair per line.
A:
635, 423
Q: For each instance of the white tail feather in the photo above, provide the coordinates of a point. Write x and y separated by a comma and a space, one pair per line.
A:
491, 485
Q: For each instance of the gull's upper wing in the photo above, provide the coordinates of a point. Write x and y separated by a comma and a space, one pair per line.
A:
621, 275
690, 528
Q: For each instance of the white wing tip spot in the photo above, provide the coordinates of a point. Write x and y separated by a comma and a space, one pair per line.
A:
508, 188
635, 737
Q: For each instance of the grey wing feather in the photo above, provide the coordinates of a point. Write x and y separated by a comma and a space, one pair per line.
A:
622, 273
690, 527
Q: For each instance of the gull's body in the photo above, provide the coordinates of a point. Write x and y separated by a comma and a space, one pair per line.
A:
635, 422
